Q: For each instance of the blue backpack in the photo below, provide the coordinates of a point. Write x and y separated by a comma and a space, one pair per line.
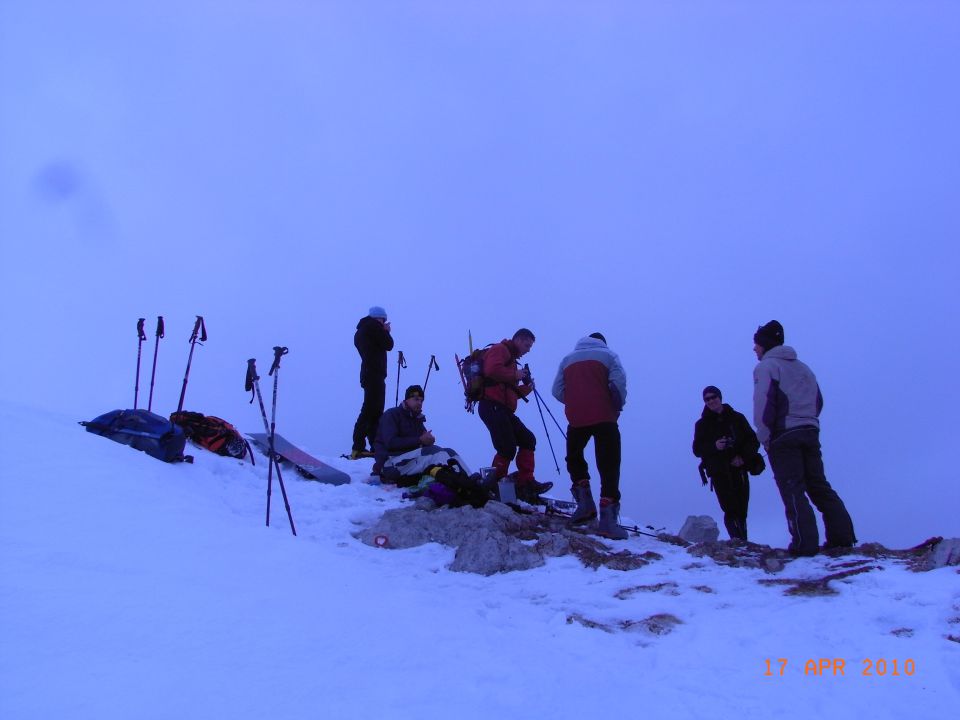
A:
142, 430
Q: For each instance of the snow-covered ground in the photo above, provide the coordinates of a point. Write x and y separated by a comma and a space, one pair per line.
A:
136, 589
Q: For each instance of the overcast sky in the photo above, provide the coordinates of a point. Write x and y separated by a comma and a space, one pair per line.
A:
670, 174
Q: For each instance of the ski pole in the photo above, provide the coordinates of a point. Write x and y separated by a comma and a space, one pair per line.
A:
201, 327
432, 365
278, 352
401, 363
536, 396
547, 407
156, 347
141, 336
252, 385
629, 528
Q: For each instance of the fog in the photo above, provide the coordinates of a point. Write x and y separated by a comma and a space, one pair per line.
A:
671, 175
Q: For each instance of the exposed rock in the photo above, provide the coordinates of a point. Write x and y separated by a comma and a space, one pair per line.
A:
944, 554
660, 624
699, 529
587, 622
735, 553
495, 538
673, 540
554, 545
817, 586
488, 552
902, 632
670, 588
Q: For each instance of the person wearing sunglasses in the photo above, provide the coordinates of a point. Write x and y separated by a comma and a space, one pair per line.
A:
727, 447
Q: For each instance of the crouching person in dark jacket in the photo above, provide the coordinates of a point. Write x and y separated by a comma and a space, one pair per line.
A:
728, 447
404, 448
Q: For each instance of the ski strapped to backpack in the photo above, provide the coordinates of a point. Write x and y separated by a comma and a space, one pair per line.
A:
213, 433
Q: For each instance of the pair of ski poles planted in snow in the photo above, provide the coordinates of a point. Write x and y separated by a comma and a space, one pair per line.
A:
252, 385
199, 329
402, 363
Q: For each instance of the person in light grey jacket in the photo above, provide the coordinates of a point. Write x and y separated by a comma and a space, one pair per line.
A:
786, 412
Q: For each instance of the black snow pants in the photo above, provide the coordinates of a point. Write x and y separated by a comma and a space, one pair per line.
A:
733, 494
365, 429
798, 469
606, 446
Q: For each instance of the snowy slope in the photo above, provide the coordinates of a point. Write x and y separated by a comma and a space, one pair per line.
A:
136, 589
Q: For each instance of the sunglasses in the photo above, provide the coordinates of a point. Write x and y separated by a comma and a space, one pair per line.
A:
708, 398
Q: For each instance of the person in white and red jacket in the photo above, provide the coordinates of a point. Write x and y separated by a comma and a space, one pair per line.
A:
592, 386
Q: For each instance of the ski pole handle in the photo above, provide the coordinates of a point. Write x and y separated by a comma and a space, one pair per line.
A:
160, 333
141, 335
199, 327
252, 377
278, 352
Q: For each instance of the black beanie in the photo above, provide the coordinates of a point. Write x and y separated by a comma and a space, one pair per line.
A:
712, 390
413, 390
769, 336
599, 336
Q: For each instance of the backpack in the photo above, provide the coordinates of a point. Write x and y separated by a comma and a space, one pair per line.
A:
142, 430
212, 433
471, 375
453, 487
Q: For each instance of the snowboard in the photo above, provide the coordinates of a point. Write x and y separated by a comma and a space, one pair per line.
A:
307, 465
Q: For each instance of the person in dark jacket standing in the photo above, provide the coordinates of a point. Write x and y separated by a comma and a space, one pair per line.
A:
504, 383
372, 340
592, 386
727, 446
786, 410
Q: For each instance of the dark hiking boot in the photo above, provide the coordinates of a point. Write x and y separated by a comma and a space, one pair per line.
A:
609, 525
586, 507
530, 490
802, 552
835, 549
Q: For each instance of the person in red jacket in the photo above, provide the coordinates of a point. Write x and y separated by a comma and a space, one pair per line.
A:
504, 384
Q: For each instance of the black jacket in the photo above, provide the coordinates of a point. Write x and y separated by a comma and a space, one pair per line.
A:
399, 431
728, 423
372, 342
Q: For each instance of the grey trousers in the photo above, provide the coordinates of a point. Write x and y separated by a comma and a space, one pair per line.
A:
798, 469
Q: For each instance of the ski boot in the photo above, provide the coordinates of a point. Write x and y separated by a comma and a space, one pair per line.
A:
609, 525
